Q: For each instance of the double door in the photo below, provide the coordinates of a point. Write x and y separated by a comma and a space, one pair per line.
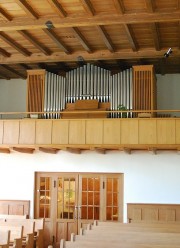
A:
70, 201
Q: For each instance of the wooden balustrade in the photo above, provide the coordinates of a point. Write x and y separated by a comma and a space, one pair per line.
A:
123, 133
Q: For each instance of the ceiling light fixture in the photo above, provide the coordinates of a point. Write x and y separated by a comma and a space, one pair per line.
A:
49, 24
169, 51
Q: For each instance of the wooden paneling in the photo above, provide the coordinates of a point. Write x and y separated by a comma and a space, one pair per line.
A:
177, 131
77, 132
94, 131
43, 131
137, 212
15, 207
27, 132
147, 131
111, 132
129, 131
1, 132
166, 131
60, 132
11, 132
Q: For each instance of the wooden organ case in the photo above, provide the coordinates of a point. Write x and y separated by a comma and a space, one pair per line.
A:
144, 90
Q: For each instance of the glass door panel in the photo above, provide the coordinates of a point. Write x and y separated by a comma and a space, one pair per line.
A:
66, 198
45, 197
112, 199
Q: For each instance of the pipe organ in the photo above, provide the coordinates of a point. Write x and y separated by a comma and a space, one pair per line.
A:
48, 92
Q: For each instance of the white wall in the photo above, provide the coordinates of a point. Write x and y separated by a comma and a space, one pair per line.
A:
148, 178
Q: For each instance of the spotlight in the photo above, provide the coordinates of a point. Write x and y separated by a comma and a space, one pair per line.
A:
169, 51
49, 24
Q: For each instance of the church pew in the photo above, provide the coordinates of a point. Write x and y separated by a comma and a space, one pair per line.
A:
16, 234
4, 239
12, 216
119, 237
35, 226
28, 230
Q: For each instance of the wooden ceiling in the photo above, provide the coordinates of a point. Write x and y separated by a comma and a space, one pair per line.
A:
60, 35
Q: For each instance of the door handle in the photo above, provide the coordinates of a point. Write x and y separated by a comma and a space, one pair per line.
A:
79, 212
75, 212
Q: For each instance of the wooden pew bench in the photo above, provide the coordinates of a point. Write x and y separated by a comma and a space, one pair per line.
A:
16, 235
32, 228
12, 216
126, 236
28, 230
4, 239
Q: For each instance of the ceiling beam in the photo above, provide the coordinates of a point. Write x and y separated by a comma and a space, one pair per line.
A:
105, 38
14, 44
150, 5
178, 4
119, 6
56, 39
49, 150
4, 150
58, 8
32, 40
8, 68
5, 15
130, 37
27, 8
96, 20
97, 55
25, 66
87, 5
24, 149
4, 53
155, 31
81, 39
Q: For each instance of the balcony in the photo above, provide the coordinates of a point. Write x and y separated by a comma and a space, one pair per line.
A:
103, 134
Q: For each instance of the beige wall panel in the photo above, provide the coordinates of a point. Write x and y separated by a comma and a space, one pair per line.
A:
60, 129
94, 131
129, 131
27, 132
177, 131
147, 131
77, 132
1, 132
43, 131
166, 131
11, 132
111, 132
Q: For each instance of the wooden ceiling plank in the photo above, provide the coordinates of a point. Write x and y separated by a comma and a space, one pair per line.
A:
87, 5
5, 15
178, 4
14, 44
36, 43
150, 5
13, 71
58, 8
27, 8
56, 39
130, 37
105, 38
81, 39
119, 6
155, 32
25, 66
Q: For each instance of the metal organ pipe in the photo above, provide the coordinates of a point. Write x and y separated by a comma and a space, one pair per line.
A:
88, 82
